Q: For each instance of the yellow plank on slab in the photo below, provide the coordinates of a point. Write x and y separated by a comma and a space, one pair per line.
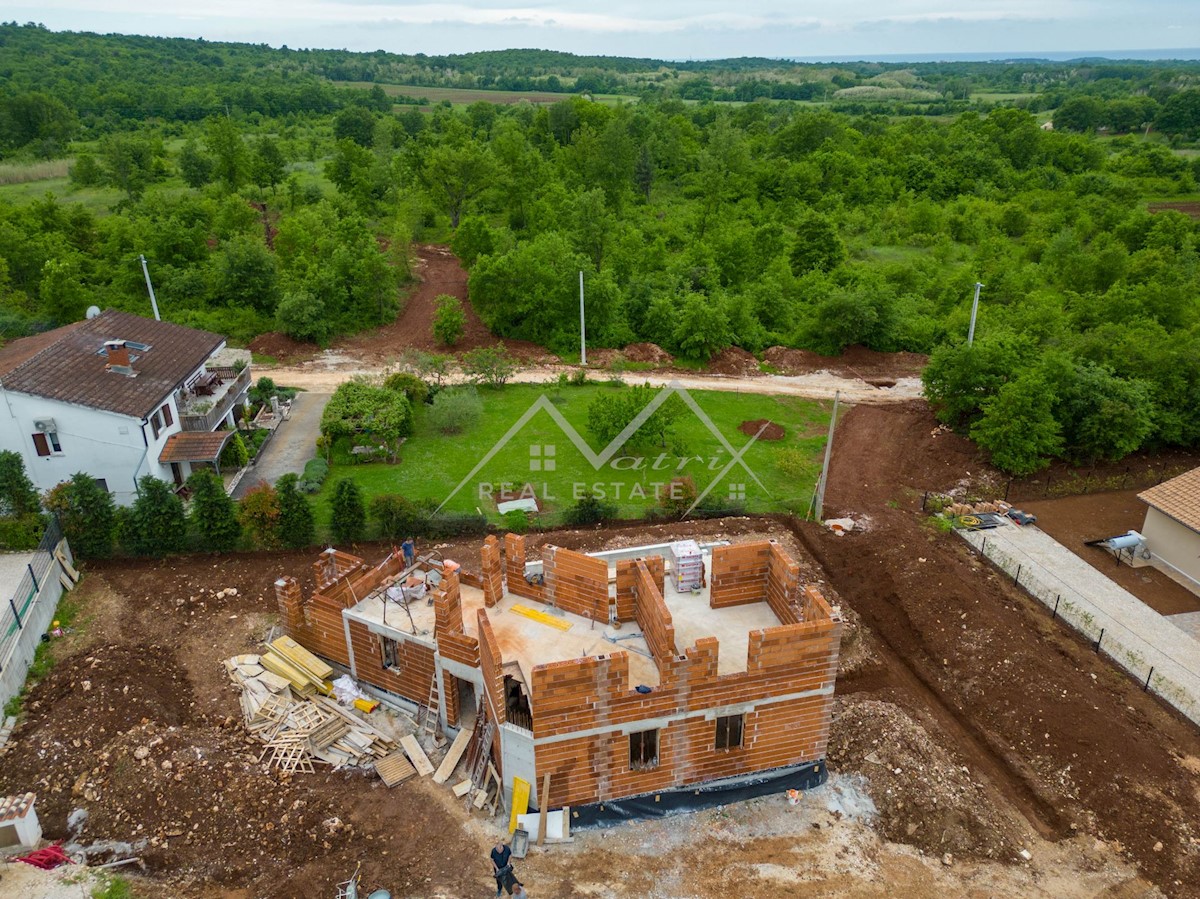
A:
453, 754
542, 617
417, 755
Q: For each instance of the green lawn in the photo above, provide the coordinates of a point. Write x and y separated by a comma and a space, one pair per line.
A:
431, 465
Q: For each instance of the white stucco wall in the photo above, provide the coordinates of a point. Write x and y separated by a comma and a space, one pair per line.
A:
106, 445
1172, 542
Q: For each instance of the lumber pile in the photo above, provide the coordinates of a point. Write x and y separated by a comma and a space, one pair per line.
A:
282, 707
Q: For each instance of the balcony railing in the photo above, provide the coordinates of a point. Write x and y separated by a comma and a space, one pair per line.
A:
222, 400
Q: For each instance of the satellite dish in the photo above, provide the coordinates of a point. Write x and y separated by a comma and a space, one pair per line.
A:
93, 311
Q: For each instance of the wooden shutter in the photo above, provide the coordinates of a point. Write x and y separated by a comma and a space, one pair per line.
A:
41, 444
167, 417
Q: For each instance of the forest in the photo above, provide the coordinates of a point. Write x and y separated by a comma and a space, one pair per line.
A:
265, 195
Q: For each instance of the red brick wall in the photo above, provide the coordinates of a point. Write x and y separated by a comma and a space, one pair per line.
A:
414, 663
514, 569
576, 583
652, 614
739, 574
493, 575
783, 586
447, 607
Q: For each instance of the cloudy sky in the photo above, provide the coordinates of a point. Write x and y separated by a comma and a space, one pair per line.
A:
674, 29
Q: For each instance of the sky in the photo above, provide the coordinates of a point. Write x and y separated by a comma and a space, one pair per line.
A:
665, 29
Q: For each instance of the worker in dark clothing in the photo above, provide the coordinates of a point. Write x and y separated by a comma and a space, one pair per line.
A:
502, 869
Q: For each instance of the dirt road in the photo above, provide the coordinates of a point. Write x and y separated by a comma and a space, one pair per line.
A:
327, 371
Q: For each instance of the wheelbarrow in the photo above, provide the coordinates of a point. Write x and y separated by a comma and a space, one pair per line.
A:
349, 889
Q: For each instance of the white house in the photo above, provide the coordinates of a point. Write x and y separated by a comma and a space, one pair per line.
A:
118, 396
1172, 527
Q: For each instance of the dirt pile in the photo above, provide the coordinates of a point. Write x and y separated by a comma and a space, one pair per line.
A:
647, 353
279, 346
925, 797
734, 361
880, 369
764, 428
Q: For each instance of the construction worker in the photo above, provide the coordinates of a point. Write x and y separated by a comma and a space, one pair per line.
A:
410, 551
502, 869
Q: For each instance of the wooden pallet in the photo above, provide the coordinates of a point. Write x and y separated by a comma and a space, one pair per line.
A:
329, 731
394, 768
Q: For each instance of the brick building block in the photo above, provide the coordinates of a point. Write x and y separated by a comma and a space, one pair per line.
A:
575, 583
492, 571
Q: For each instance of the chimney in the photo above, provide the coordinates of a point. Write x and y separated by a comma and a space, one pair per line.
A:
118, 357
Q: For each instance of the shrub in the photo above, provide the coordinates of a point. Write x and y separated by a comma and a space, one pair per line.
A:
315, 472
449, 321
409, 384
591, 510
156, 525
678, 497
213, 513
578, 377
18, 496
516, 521
793, 462
259, 514
455, 524
23, 532
453, 411
296, 526
235, 455
349, 521
262, 391
395, 517
87, 515
492, 366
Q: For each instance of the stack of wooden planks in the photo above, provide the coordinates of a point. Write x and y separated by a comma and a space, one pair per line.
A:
299, 726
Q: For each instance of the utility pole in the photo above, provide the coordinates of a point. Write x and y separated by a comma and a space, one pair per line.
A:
582, 327
974, 309
819, 499
150, 287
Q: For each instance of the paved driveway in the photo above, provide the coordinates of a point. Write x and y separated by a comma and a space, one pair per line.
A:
293, 444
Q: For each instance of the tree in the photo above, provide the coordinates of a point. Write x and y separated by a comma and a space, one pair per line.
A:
492, 365
61, 292
259, 513
301, 315
349, 519
360, 407
449, 321
86, 512
1101, 416
156, 525
395, 517
457, 174
245, 274
703, 328
236, 454
356, 123
848, 316
454, 410
1017, 426
959, 378
18, 496
474, 238
818, 245
267, 166
610, 413
225, 143
296, 525
1079, 114
195, 167
1181, 113
214, 514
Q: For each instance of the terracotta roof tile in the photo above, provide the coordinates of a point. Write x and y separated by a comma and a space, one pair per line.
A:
14, 807
194, 446
67, 364
1179, 498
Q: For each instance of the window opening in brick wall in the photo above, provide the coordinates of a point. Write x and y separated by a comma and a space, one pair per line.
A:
729, 731
643, 750
516, 703
391, 653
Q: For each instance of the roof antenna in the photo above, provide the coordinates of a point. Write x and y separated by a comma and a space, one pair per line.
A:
150, 287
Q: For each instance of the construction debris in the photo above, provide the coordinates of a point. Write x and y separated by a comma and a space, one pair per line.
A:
298, 726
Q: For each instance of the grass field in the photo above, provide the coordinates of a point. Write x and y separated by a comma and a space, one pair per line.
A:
465, 96
431, 465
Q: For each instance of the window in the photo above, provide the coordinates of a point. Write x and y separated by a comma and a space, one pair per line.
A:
155, 424
643, 750
102, 484
41, 444
729, 731
168, 419
54, 444
391, 653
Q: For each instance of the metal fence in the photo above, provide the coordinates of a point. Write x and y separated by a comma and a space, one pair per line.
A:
1175, 681
18, 608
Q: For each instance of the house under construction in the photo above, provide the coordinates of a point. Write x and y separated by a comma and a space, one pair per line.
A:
644, 679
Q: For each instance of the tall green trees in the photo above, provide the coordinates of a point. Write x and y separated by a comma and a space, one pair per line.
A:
213, 514
87, 515
349, 521
297, 527
155, 525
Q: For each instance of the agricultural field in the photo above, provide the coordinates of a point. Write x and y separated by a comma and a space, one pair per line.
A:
458, 96
432, 465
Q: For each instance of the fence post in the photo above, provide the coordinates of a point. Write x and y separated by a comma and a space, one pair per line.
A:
33, 577
1017, 576
1056, 600
923, 499
1099, 639
1007, 488
12, 604
1146, 686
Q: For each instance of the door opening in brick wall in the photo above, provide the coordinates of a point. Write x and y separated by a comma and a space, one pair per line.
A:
466, 702
516, 703
643, 750
729, 731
